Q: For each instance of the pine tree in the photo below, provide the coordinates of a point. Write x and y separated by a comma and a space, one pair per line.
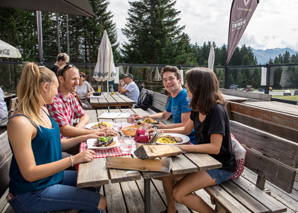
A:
154, 35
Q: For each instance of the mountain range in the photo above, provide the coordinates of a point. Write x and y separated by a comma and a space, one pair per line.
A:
263, 56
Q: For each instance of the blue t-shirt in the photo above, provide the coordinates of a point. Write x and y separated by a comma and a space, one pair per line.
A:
46, 147
177, 106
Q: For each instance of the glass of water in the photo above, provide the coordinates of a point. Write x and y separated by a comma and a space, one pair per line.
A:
126, 144
130, 119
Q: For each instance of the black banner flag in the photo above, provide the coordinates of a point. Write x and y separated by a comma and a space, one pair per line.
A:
240, 15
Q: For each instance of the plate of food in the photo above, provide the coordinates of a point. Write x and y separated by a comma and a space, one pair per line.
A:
173, 138
98, 125
148, 121
102, 143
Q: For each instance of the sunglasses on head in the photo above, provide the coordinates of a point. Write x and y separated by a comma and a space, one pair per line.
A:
66, 67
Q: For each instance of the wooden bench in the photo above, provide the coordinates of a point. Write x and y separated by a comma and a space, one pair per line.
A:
271, 157
5, 158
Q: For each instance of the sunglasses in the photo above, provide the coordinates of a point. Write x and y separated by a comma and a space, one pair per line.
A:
66, 67
82, 76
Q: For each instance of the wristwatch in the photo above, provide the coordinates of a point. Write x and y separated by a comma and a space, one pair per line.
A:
155, 126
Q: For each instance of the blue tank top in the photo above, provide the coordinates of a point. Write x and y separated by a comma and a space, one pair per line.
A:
46, 148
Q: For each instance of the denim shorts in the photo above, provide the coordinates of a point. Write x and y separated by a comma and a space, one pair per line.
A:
219, 175
58, 197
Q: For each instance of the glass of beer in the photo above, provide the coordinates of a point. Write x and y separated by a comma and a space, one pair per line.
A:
99, 88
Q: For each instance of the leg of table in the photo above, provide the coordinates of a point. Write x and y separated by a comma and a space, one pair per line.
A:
147, 195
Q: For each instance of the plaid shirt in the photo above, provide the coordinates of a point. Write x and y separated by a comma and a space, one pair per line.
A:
64, 110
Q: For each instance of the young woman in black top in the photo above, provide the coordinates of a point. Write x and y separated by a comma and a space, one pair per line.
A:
210, 121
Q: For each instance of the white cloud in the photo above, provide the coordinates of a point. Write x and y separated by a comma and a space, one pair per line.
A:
273, 24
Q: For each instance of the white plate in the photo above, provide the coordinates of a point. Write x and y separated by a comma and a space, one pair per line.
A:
90, 144
88, 126
184, 138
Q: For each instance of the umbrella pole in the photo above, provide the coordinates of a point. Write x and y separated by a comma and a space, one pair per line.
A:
108, 92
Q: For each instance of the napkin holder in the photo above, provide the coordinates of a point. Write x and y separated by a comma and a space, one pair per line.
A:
141, 136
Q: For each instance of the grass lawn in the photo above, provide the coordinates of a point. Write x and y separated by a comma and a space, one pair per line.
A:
290, 97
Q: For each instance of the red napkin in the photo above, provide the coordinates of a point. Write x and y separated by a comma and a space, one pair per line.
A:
141, 136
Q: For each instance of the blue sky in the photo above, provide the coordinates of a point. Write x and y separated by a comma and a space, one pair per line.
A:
273, 25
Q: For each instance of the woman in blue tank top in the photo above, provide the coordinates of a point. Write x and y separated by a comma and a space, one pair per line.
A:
38, 182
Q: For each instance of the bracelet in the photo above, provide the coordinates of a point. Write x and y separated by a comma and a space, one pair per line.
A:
71, 160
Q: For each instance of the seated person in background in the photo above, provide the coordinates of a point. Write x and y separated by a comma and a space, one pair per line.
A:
62, 59
3, 106
38, 179
129, 88
178, 105
65, 107
212, 128
84, 90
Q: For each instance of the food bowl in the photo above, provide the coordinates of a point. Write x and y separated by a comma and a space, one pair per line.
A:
131, 130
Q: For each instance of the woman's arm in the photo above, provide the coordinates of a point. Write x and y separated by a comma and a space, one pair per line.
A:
210, 148
71, 142
185, 130
20, 134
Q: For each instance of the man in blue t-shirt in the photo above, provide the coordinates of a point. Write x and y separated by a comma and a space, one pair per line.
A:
177, 105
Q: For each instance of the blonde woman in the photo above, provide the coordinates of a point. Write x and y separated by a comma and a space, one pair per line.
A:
38, 182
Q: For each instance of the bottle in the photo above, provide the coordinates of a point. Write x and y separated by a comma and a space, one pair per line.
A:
112, 90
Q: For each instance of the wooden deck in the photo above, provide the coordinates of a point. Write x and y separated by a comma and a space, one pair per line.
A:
129, 196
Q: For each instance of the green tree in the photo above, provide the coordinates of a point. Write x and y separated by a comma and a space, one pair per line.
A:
154, 35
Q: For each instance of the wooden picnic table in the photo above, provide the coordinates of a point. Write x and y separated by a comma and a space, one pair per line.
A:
95, 173
106, 100
234, 98
276, 106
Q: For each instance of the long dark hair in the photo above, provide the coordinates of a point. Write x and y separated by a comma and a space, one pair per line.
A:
203, 85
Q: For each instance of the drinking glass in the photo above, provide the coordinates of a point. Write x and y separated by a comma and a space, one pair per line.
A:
126, 144
99, 88
130, 119
117, 127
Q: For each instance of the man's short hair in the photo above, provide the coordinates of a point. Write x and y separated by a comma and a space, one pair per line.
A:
61, 71
170, 69
63, 57
128, 75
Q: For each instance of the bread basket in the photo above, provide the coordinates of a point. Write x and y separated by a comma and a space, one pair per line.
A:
130, 130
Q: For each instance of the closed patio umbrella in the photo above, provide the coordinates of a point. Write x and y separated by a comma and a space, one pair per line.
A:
105, 67
8, 51
211, 58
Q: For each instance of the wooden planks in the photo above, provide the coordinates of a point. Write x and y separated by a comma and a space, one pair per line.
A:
276, 129
280, 118
5, 159
277, 173
154, 151
93, 173
259, 195
239, 195
281, 149
105, 100
158, 165
92, 116
203, 161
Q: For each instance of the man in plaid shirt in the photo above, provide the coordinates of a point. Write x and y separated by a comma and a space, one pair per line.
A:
65, 107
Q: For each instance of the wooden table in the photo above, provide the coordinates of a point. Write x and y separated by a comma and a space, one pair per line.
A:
234, 98
106, 100
95, 173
